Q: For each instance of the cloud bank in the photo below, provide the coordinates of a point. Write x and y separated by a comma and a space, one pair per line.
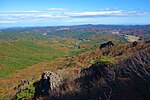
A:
63, 15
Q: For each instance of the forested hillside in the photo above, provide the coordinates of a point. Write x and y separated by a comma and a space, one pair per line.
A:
76, 53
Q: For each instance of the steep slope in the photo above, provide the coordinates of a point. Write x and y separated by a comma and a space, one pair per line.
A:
123, 76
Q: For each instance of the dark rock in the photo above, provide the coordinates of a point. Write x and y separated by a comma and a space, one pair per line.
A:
134, 43
107, 44
50, 81
148, 41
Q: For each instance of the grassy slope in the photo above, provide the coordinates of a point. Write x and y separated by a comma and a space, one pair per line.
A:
5, 37
19, 54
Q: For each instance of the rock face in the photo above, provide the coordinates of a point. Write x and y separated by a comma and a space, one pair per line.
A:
107, 44
134, 43
50, 81
22, 86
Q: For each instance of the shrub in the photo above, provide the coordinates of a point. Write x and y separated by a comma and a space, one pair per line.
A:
26, 94
106, 60
60, 67
71, 64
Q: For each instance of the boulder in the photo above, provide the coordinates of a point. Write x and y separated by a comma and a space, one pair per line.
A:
134, 43
50, 81
107, 44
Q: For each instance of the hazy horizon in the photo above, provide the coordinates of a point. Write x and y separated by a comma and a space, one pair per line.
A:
72, 25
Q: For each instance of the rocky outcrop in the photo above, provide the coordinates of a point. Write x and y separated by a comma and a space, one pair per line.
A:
134, 43
50, 81
22, 86
107, 44
127, 79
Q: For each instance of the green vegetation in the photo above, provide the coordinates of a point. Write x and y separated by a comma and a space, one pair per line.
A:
106, 60
23, 47
73, 53
26, 94
5, 37
71, 64
60, 67
73, 34
20, 54
19, 48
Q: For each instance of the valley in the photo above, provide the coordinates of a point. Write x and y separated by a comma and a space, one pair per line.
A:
25, 53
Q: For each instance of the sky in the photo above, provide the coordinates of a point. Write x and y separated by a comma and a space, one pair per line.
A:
22, 13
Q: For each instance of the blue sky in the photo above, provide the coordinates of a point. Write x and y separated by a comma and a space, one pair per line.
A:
14, 13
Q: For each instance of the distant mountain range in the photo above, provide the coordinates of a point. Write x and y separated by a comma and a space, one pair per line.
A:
142, 31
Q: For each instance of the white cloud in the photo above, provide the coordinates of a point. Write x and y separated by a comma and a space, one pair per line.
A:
7, 22
99, 13
56, 9
49, 15
27, 11
108, 13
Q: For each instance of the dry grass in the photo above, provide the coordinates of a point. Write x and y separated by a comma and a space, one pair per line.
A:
132, 38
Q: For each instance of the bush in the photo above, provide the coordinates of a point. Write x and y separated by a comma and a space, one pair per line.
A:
60, 67
71, 64
26, 94
106, 60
